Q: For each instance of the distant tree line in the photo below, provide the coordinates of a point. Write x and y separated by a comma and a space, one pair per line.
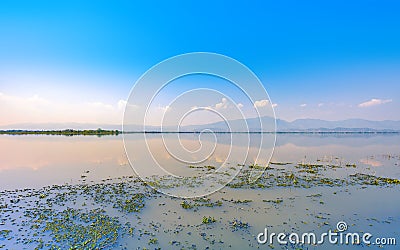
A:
66, 132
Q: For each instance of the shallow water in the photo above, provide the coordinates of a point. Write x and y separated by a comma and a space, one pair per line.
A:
312, 205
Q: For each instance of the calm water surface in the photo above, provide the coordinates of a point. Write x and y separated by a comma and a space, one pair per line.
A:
36, 161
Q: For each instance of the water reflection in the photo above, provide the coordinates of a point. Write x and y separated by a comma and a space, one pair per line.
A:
35, 161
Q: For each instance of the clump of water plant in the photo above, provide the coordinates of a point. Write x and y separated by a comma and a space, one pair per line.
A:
208, 220
367, 179
280, 163
207, 167
237, 224
80, 230
277, 201
135, 203
153, 241
242, 201
200, 202
256, 166
186, 205
4, 234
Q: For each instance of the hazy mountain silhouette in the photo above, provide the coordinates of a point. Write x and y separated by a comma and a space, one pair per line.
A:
299, 125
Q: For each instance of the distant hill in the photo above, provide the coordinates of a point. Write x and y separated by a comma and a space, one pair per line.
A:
299, 125
307, 124
303, 125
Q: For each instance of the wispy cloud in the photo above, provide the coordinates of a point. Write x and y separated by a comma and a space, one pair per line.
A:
165, 108
373, 102
122, 104
17, 109
34, 100
303, 105
100, 105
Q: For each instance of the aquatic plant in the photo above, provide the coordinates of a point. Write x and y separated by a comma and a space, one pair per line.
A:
153, 241
242, 201
237, 224
4, 234
200, 202
186, 205
208, 220
373, 180
280, 163
76, 229
135, 203
277, 201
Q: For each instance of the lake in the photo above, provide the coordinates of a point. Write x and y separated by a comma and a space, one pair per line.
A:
80, 191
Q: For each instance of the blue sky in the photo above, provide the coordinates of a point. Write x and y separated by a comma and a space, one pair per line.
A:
78, 60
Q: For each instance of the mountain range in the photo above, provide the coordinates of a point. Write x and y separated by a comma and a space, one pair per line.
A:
302, 125
299, 125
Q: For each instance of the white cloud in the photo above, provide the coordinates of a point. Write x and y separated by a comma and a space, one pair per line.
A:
264, 103
320, 104
373, 102
303, 105
261, 103
223, 104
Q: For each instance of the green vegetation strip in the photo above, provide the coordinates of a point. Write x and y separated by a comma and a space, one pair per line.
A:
66, 132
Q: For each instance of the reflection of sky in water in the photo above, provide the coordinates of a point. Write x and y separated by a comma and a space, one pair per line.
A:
45, 160
371, 162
